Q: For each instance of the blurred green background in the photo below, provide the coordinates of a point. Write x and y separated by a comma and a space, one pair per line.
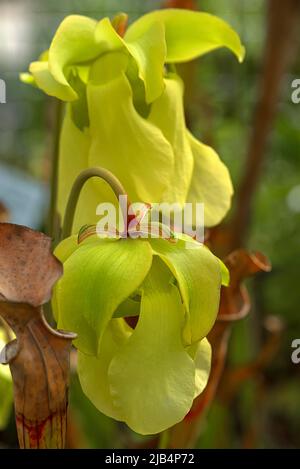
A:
221, 100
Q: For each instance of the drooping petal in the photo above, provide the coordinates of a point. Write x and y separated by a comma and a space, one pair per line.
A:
62, 252
79, 109
42, 77
74, 42
128, 145
107, 37
198, 274
152, 377
149, 51
225, 274
201, 354
189, 34
80, 40
27, 78
211, 183
93, 371
97, 278
167, 113
77, 41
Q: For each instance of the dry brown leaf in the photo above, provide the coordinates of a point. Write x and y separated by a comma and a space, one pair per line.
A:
39, 357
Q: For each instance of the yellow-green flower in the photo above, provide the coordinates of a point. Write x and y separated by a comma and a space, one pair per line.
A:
148, 376
125, 109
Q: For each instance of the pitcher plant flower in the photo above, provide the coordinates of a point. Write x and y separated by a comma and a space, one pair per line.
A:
147, 376
125, 110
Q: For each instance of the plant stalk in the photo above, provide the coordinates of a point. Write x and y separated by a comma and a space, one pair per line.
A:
83, 177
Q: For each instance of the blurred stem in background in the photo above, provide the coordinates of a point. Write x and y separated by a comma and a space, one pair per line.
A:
280, 48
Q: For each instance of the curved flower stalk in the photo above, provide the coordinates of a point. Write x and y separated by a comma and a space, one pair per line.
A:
125, 109
147, 376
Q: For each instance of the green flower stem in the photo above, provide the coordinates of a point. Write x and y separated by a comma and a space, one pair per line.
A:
164, 440
83, 177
